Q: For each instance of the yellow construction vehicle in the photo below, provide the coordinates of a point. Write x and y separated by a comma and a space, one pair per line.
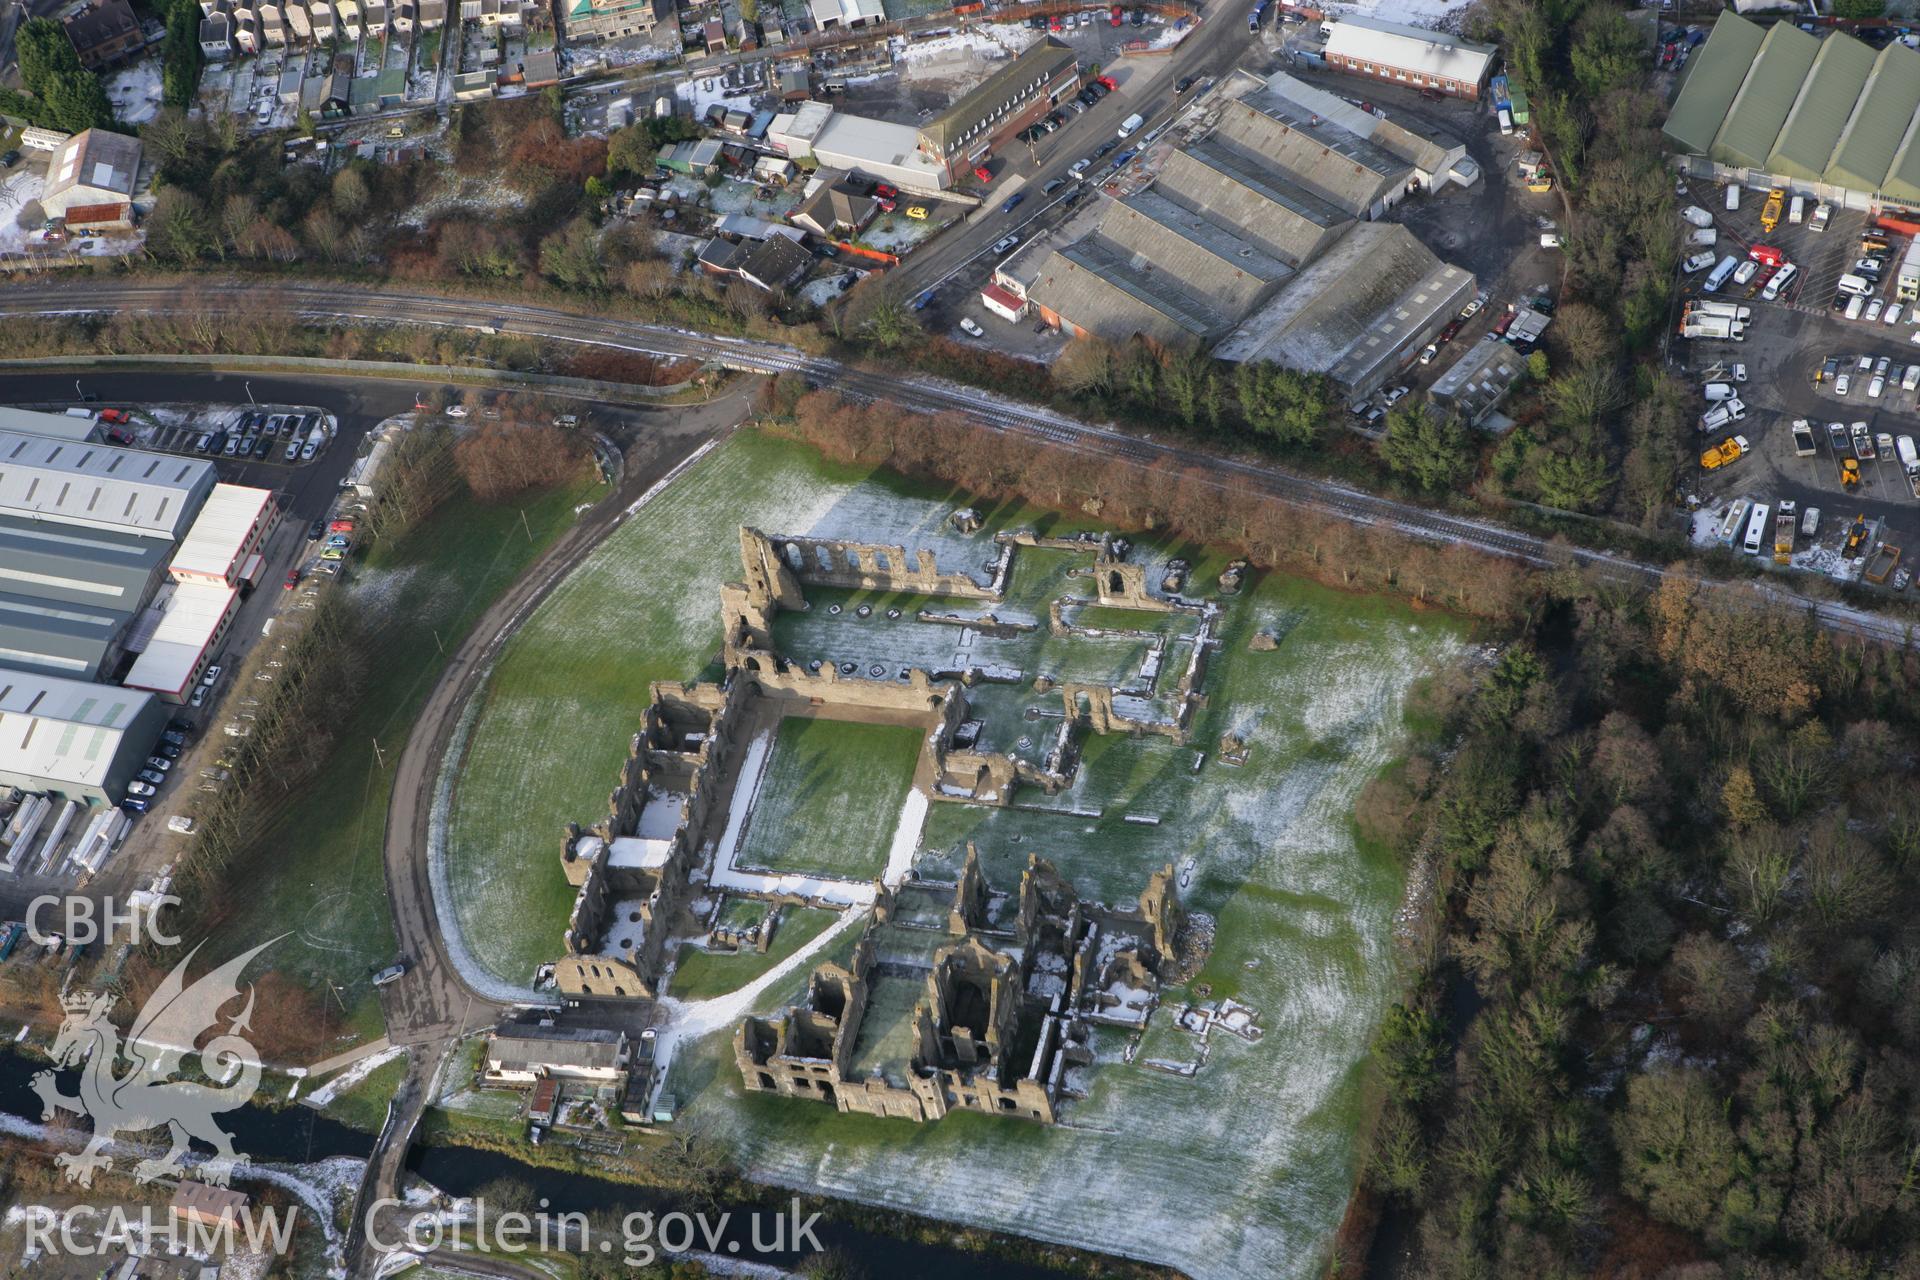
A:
1770, 212
1849, 473
1856, 538
1721, 454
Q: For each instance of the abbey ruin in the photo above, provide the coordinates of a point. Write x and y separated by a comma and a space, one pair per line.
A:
957, 995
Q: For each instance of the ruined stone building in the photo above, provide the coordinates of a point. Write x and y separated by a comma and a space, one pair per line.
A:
948, 1009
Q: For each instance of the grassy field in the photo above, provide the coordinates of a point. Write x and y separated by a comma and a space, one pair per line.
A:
1240, 1169
323, 881
364, 1106
567, 693
831, 798
701, 973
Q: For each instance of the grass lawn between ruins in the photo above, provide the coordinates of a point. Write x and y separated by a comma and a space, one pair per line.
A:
830, 798
1239, 1167
323, 883
701, 974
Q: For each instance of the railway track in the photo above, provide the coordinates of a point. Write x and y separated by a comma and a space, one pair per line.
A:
319, 302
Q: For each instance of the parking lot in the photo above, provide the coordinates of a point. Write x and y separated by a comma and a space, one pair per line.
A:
1796, 351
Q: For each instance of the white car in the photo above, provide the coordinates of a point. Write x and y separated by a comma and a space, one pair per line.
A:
1394, 396
1005, 243
213, 674
972, 330
1842, 384
1698, 262
1470, 310
141, 789
1878, 385
1744, 272
456, 411
1892, 314
1873, 310
159, 764
1739, 373
199, 698
1427, 355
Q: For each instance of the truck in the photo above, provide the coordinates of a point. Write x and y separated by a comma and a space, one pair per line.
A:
1726, 451
1731, 310
1822, 215
1695, 216
1785, 521
1880, 564
1770, 211
1804, 445
1909, 462
1906, 282
1713, 328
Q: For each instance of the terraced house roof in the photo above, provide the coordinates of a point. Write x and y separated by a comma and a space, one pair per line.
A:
1765, 97
1821, 110
1717, 74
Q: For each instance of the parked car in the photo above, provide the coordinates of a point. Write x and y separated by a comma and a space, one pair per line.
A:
1842, 384
917, 212
456, 411
983, 173
1427, 355
1013, 202
153, 777
1892, 315
1873, 310
159, 764
1698, 262
134, 804
317, 530
1394, 396
1183, 84
144, 790
293, 579
1005, 243
308, 449
1052, 186
292, 450
392, 973
1878, 385
972, 330
886, 190
199, 696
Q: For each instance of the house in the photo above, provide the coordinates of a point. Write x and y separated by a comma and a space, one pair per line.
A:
91, 168
1478, 380
204, 1203
775, 263
216, 37
523, 1053
348, 14
472, 86
541, 68
715, 36
374, 14
403, 16
320, 15
833, 210
1412, 56
103, 33
431, 14
273, 25
246, 31
299, 25
615, 19
337, 100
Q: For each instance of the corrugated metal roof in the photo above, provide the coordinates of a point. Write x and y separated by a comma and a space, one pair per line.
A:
1882, 118
152, 494
1432, 53
192, 616
1903, 177
1821, 110
212, 546
65, 731
1717, 73
1766, 95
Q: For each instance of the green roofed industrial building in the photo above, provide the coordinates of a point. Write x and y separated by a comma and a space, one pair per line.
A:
1827, 116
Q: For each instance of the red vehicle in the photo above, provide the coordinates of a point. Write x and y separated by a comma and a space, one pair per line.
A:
340, 526
885, 191
293, 580
1767, 255
1113, 16
1106, 82
1446, 334
119, 435
1500, 326
113, 415
1053, 24
983, 173
886, 205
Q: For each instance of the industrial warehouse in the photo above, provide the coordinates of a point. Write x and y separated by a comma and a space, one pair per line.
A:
1260, 237
1776, 107
118, 567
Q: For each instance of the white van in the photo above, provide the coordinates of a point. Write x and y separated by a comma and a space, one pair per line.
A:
1757, 528
1720, 391
1854, 286
1130, 124
1855, 305
1797, 210
1781, 279
1733, 197
1704, 239
1506, 122
1720, 274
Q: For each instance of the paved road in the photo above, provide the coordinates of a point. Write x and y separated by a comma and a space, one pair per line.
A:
1146, 86
912, 391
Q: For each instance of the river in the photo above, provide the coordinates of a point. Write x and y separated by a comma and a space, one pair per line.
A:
301, 1135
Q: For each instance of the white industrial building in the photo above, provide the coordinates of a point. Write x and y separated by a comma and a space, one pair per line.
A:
194, 620
1412, 56
792, 132
889, 152
93, 167
97, 486
71, 739
223, 546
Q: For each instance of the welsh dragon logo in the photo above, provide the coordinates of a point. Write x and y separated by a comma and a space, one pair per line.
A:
146, 1096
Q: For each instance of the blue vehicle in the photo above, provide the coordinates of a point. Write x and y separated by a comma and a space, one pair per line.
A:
1120, 160
13, 938
1013, 200
920, 303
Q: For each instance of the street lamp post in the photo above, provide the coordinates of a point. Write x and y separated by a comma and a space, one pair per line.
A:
249, 385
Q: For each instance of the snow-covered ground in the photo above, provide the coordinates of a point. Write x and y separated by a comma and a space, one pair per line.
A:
135, 91
1415, 13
